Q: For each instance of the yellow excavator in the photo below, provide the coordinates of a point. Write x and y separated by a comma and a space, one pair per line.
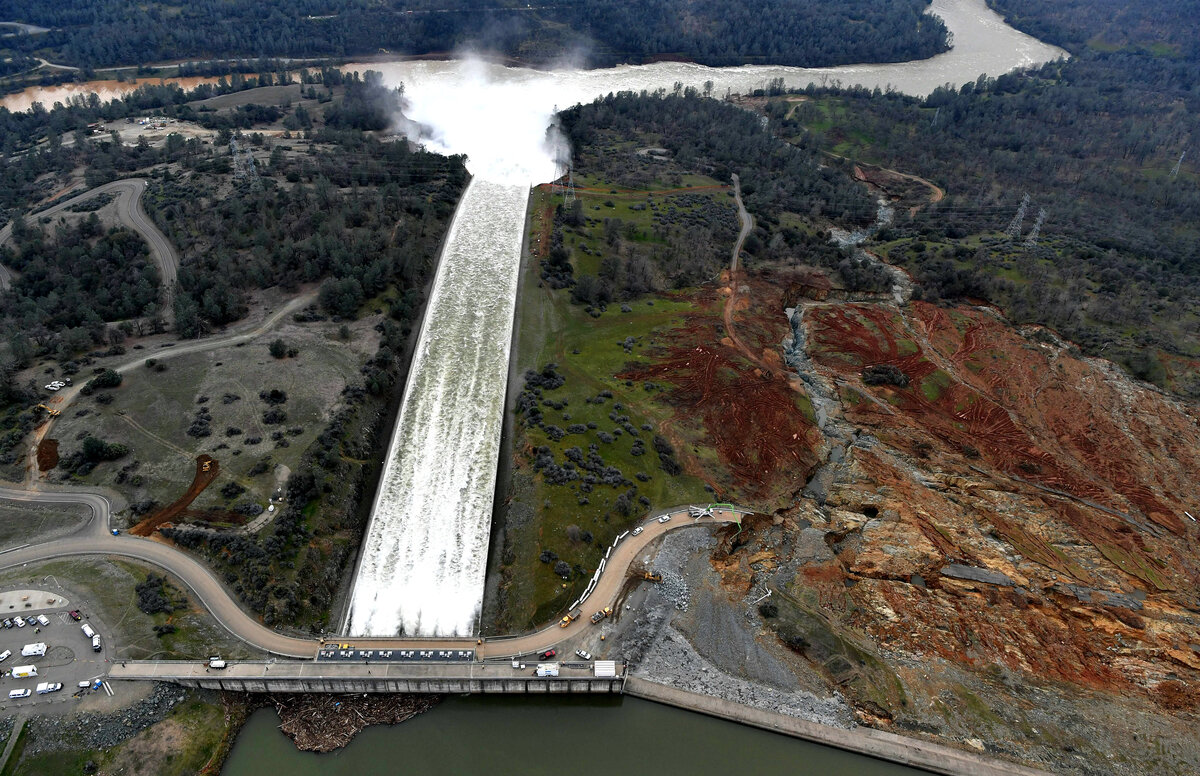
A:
651, 576
49, 411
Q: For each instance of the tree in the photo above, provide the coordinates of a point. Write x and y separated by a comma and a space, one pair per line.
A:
278, 348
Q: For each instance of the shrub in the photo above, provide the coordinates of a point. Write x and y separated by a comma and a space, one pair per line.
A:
232, 490
278, 348
108, 378
884, 374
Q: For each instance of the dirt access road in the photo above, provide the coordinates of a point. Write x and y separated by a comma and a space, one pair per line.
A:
130, 213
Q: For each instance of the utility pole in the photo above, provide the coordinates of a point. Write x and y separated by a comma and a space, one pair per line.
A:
1014, 228
1032, 239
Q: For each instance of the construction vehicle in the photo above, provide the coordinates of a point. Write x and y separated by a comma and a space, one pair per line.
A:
600, 615
651, 576
206, 466
569, 618
50, 411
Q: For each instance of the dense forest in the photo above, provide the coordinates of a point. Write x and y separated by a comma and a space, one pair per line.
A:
1102, 144
1157, 27
78, 277
95, 33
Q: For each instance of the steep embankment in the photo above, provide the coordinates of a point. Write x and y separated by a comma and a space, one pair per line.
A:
1000, 519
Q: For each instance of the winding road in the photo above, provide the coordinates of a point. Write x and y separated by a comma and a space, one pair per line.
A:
129, 211
96, 539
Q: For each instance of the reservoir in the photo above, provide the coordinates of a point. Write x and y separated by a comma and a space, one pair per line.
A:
550, 736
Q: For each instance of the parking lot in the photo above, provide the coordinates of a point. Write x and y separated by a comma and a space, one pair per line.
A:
69, 658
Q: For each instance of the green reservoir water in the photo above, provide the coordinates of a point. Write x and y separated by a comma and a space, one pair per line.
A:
582, 736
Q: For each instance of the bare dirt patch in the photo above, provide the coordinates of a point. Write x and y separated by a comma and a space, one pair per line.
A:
750, 414
207, 469
47, 454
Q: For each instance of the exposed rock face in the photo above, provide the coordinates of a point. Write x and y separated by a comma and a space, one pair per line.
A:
1044, 487
1015, 509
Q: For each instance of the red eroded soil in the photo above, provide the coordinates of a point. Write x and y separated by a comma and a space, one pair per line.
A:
977, 385
172, 513
47, 454
753, 418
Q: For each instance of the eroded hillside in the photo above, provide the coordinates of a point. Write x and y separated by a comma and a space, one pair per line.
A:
1003, 507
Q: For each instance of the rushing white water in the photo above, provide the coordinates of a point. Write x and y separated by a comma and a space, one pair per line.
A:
423, 560
422, 565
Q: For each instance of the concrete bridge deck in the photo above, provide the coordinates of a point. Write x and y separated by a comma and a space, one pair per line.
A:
414, 677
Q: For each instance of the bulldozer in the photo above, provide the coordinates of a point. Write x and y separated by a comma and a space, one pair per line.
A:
651, 576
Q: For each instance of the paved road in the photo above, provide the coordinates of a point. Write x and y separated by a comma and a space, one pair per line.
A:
96, 540
129, 211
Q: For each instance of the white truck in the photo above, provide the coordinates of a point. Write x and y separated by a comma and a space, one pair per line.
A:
24, 672
48, 687
547, 669
33, 650
88, 633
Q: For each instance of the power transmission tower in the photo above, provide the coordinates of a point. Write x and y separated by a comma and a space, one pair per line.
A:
1032, 239
1175, 169
1014, 228
243, 163
569, 197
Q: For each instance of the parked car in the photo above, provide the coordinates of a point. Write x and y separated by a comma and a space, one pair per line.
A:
583, 654
664, 519
75, 615
5, 655
548, 654
638, 530
43, 620
18, 622
7, 623
25, 693
51, 387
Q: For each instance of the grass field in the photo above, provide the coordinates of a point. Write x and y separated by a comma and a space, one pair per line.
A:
107, 589
22, 522
152, 411
590, 350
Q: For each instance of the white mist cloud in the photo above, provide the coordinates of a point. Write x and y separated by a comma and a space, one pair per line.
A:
506, 127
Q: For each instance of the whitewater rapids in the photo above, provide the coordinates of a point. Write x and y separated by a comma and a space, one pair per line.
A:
422, 574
